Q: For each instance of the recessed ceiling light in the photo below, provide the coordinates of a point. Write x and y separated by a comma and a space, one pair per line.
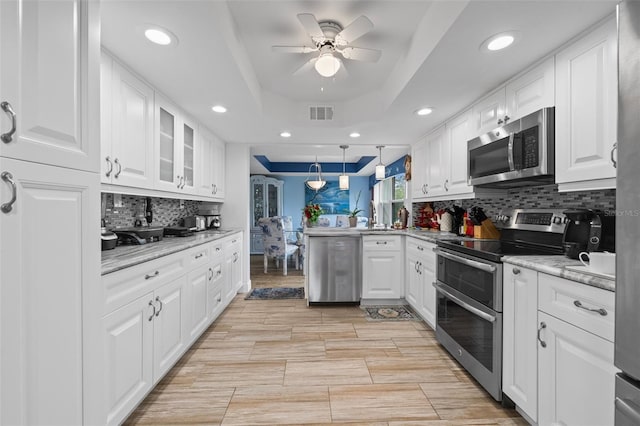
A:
424, 111
219, 109
285, 134
159, 35
354, 135
499, 41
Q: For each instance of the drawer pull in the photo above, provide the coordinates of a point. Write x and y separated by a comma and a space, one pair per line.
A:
420, 248
199, 255
516, 271
601, 311
381, 242
6, 107
155, 274
543, 325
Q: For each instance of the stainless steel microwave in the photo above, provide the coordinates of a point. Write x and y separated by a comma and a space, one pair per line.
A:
516, 154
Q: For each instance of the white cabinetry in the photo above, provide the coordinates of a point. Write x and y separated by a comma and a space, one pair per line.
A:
175, 139
587, 111
419, 170
266, 201
520, 322
420, 275
523, 95
216, 282
233, 262
211, 166
438, 162
48, 78
49, 192
126, 115
382, 267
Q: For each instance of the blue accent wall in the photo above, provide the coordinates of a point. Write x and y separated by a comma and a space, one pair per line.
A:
293, 195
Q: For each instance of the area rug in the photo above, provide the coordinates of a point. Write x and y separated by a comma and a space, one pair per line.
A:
392, 312
276, 293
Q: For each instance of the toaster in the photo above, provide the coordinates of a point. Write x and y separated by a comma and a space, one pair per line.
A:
195, 223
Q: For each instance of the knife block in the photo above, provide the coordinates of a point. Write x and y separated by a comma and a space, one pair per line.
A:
486, 231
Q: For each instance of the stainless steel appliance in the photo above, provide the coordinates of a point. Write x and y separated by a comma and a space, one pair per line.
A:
627, 349
469, 289
588, 230
516, 154
195, 223
213, 221
138, 235
335, 269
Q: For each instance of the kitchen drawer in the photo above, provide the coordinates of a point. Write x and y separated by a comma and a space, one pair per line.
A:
216, 251
560, 297
423, 248
382, 242
124, 286
197, 256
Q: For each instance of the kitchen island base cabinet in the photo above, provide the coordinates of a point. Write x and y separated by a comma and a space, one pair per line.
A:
382, 267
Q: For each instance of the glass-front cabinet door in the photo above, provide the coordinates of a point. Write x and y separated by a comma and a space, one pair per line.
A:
167, 136
169, 143
188, 157
266, 201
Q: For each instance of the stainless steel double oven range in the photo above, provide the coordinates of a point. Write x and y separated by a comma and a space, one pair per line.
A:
469, 289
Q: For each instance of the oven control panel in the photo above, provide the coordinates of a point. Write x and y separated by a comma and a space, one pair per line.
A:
544, 220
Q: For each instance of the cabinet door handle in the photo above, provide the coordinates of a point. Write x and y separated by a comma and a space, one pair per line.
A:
155, 274
446, 185
220, 298
161, 305
235, 257
500, 121
211, 270
601, 311
110, 163
6, 107
183, 182
381, 242
8, 177
199, 255
178, 179
420, 248
119, 168
212, 189
516, 271
613, 160
506, 118
543, 325
154, 310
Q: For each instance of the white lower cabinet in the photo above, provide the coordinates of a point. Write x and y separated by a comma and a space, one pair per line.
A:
520, 322
420, 275
382, 267
558, 349
576, 376
154, 312
142, 341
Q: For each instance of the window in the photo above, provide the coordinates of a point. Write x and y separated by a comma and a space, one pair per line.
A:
389, 197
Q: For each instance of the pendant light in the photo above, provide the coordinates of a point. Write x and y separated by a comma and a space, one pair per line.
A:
380, 169
344, 179
318, 183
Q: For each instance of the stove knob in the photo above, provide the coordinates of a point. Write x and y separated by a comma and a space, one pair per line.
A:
565, 220
506, 218
557, 220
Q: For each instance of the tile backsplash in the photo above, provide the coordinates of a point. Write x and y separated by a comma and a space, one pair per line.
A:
534, 197
166, 211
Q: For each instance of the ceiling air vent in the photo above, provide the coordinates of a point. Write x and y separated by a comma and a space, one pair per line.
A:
320, 113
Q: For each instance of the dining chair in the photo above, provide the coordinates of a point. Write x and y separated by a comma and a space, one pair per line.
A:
342, 221
275, 243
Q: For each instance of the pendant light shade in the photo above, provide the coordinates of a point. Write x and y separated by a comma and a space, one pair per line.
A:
316, 183
381, 171
344, 179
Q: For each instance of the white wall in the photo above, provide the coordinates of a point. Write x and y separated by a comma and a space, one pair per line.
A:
236, 208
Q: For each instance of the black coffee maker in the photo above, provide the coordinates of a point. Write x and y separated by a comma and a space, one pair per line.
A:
588, 230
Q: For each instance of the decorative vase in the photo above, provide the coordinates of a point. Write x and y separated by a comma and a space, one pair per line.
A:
353, 221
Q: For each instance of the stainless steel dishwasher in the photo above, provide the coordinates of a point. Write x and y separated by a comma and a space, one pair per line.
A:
335, 269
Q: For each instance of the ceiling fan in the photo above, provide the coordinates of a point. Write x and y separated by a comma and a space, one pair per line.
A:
330, 38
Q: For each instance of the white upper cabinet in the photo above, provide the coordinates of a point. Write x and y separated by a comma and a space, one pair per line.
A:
457, 135
188, 167
419, 170
438, 162
587, 111
168, 137
211, 165
126, 128
47, 76
530, 92
489, 112
523, 95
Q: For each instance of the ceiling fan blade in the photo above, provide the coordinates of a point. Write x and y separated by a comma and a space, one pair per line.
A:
306, 67
310, 24
354, 30
360, 54
293, 49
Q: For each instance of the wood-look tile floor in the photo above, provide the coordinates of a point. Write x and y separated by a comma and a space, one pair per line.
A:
280, 362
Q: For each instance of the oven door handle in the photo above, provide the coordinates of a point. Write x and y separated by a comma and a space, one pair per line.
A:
465, 305
468, 262
510, 151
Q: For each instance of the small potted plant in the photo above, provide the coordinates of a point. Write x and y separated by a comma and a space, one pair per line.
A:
353, 214
311, 213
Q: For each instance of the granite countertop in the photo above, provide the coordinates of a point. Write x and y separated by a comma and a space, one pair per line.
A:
555, 265
129, 255
426, 235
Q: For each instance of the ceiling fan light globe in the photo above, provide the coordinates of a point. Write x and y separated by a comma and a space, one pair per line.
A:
327, 65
